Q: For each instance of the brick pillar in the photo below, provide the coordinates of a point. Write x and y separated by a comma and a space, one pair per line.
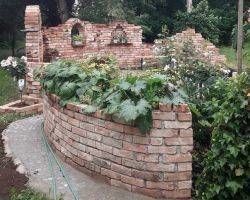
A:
34, 47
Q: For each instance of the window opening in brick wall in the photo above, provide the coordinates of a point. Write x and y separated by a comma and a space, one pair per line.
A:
119, 36
77, 39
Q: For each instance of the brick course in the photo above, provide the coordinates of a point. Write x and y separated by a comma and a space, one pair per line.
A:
157, 164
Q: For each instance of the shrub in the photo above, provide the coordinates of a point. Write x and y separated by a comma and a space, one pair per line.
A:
226, 169
202, 18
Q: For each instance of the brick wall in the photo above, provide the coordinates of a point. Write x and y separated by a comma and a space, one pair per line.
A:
205, 49
158, 164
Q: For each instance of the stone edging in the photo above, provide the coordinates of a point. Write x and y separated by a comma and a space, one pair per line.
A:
158, 164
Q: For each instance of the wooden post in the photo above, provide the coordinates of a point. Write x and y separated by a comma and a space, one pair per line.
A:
240, 36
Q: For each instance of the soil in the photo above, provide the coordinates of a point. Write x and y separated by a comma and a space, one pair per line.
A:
9, 177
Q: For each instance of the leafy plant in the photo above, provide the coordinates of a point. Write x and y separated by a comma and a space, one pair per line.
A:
226, 168
77, 38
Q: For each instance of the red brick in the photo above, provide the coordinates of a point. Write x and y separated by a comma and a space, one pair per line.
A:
123, 153
186, 149
80, 117
185, 184
110, 174
79, 131
182, 167
185, 117
178, 176
179, 141
164, 133
150, 176
103, 147
85, 156
114, 126
177, 158
132, 181
162, 149
93, 136
112, 142
156, 141
165, 107
121, 169
160, 167
68, 112
177, 124
160, 185
182, 108
186, 132
131, 130
148, 158
140, 140
135, 147
157, 124
74, 122
66, 125
159, 115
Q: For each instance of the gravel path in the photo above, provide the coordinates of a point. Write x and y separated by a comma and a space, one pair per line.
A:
23, 141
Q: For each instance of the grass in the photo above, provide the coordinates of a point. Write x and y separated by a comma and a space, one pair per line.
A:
8, 88
230, 54
28, 194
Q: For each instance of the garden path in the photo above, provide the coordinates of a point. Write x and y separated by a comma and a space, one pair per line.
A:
24, 143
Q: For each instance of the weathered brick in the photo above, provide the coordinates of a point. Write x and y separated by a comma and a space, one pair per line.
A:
185, 184
112, 142
114, 126
141, 139
178, 176
182, 167
162, 149
185, 117
123, 153
186, 132
150, 176
160, 167
147, 157
164, 133
176, 124
186, 149
179, 141
160, 185
177, 158
110, 174
159, 115
135, 147
121, 169
132, 181
165, 107
156, 141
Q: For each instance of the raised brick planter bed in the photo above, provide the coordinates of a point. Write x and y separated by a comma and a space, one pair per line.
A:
29, 105
158, 164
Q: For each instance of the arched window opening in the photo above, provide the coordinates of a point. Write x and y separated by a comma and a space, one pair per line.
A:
77, 35
119, 36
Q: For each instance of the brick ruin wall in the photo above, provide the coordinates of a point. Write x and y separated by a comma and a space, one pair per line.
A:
158, 164
205, 50
46, 44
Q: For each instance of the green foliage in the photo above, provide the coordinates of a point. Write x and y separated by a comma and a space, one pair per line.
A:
96, 82
202, 18
29, 194
8, 88
226, 166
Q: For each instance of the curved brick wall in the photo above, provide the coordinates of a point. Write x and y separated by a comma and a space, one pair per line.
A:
158, 164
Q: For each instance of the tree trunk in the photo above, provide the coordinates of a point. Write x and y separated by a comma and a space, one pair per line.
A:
13, 43
240, 36
63, 10
189, 5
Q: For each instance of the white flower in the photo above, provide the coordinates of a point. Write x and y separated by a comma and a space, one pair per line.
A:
7, 62
3, 63
10, 58
166, 67
173, 60
14, 64
24, 58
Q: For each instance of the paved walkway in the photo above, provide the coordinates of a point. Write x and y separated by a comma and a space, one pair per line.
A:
24, 141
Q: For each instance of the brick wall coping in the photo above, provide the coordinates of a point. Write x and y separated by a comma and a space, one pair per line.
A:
158, 164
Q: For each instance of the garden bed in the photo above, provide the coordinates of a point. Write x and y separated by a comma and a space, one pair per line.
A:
29, 105
157, 164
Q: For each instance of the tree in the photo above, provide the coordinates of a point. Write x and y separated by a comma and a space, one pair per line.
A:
240, 36
189, 5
